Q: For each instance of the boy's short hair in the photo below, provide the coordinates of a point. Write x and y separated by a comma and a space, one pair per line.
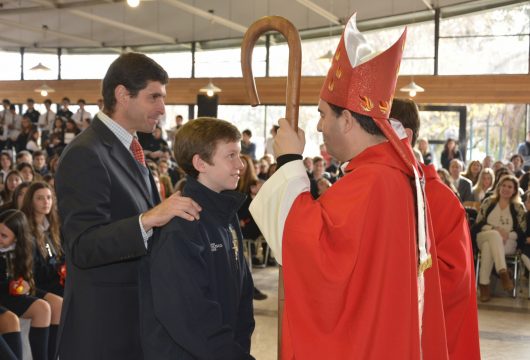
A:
200, 136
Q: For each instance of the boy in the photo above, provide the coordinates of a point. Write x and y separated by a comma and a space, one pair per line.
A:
197, 290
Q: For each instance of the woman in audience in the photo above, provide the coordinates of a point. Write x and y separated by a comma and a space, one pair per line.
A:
33, 141
58, 127
246, 175
39, 205
446, 179
484, 183
423, 147
27, 172
517, 161
6, 164
500, 230
70, 131
499, 173
13, 179
18, 198
249, 184
449, 153
473, 170
10, 339
49, 179
20, 295
54, 145
23, 137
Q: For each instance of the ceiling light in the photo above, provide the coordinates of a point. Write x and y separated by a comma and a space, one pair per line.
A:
326, 58
412, 88
44, 90
133, 3
210, 89
40, 67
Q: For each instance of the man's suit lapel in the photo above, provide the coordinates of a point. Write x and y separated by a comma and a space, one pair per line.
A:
122, 156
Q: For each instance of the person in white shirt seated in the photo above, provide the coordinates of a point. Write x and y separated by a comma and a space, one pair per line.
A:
82, 117
462, 185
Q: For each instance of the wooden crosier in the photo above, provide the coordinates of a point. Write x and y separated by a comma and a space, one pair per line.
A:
292, 96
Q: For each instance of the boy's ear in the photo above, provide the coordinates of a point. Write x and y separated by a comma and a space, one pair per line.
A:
198, 163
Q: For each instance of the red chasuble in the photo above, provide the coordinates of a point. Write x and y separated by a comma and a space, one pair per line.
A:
350, 269
455, 261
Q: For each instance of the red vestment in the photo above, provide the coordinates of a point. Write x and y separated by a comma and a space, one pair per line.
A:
455, 262
350, 269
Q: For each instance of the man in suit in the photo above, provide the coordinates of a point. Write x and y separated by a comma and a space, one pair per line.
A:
109, 207
463, 185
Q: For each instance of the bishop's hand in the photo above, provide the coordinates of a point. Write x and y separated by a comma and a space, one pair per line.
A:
288, 141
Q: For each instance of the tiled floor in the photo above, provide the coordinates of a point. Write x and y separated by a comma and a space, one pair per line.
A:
504, 322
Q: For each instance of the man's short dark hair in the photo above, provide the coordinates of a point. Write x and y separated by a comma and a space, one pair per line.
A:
66, 99
48, 101
30, 100
6, 102
201, 137
81, 101
406, 112
39, 153
366, 122
247, 132
133, 71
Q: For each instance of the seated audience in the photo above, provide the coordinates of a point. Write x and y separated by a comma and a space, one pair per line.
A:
41, 210
21, 295
473, 170
39, 163
517, 161
13, 179
6, 164
500, 230
423, 147
462, 185
27, 172
483, 185
10, 338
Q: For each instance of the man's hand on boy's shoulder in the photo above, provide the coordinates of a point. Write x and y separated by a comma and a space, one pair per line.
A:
175, 205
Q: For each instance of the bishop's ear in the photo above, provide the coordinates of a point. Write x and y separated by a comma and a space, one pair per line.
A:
348, 120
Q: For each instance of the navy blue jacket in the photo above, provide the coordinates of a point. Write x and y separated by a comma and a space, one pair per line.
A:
196, 288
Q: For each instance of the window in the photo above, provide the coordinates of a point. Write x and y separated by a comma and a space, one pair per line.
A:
49, 60
227, 63
418, 56
86, 66
177, 64
492, 42
10, 69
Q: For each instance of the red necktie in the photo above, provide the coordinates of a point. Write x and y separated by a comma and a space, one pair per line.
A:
137, 151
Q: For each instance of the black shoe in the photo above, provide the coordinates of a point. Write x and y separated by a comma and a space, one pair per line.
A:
271, 261
256, 261
258, 295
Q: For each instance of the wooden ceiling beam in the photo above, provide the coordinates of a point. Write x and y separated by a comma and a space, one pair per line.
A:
458, 89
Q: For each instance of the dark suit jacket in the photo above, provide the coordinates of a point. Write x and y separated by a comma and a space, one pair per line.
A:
465, 189
101, 193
